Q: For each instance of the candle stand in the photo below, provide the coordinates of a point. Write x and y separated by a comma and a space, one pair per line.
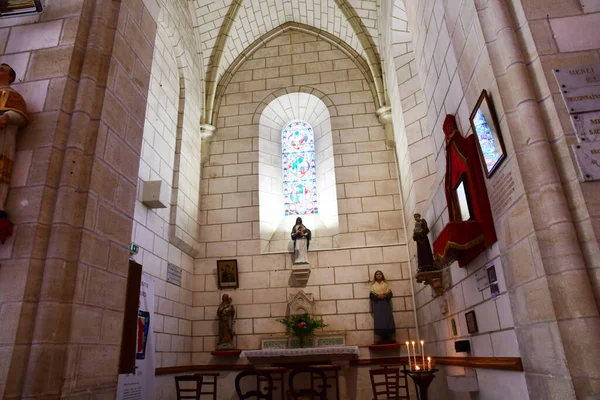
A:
422, 380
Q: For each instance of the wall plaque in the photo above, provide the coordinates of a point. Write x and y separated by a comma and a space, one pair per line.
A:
587, 156
587, 126
174, 274
578, 77
582, 100
18, 7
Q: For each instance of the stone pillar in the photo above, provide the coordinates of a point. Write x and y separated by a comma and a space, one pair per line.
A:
556, 316
206, 132
385, 118
68, 331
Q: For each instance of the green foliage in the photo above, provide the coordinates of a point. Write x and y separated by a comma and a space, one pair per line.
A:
301, 325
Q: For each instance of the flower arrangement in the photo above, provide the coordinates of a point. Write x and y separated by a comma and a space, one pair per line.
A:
301, 325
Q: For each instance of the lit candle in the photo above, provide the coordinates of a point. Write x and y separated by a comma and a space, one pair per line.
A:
414, 353
408, 349
423, 352
429, 363
418, 368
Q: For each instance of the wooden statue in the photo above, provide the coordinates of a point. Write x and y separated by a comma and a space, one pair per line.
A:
226, 314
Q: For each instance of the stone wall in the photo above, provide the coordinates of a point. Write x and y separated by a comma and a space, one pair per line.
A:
371, 225
171, 154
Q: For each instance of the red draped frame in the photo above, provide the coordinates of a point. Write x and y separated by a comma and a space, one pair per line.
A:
464, 239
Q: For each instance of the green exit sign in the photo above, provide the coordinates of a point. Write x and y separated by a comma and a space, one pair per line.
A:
134, 248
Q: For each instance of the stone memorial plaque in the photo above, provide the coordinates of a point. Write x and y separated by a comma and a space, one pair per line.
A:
587, 126
578, 77
587, 156
174, 274
582, 100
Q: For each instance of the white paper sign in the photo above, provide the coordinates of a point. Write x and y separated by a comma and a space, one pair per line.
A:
140, 384
587, 156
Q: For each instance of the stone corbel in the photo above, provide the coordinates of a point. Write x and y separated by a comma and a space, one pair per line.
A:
385, 118
206, 134
440, 280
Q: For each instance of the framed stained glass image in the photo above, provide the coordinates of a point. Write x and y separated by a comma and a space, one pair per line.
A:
299, 166
489, 138
18, 7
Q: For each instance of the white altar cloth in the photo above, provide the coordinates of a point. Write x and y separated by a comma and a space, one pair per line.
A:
307, 351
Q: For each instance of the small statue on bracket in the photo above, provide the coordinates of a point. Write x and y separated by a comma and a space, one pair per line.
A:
13, 115
226, 313
301, 236
424, 253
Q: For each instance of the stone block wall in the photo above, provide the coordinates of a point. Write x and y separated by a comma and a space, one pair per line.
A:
339, 282
368, 195
171, 154
370, 217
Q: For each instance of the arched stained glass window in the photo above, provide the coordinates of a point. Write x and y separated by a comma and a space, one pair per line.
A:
299, 169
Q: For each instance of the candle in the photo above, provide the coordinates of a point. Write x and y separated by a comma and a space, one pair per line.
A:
418, 368
423, 352
408, 349
429, 363
414, 353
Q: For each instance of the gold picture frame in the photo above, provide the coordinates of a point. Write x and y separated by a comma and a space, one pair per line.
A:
19, 7
227, 274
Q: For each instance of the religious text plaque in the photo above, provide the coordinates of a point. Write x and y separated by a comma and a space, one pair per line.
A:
174, 274
578, 77
587, 126
582, 100
587, 156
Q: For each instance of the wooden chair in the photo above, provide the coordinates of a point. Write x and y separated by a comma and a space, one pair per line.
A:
206, 382
333, 378
385, 383
315, 390
188, 392
265, 393
277, 374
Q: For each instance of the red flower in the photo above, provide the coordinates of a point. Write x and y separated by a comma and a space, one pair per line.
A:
300, 325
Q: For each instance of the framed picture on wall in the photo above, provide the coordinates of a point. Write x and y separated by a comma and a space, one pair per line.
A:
471, 322
227, 274
18, 7
487, 131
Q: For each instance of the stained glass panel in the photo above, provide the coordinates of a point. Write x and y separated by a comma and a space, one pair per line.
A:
490, 149
299, 169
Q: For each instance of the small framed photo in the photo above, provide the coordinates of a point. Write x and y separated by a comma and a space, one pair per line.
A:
491, 271
471, 322
489, 138
227, 274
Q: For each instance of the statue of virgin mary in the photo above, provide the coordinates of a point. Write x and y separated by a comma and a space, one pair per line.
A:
301, 236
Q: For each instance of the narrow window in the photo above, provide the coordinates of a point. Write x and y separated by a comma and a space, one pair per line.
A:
299, 169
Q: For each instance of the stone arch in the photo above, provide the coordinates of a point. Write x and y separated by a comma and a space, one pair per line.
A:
375, 83
275, 112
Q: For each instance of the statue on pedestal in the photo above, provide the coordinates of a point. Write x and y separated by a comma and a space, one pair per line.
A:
301, 236
13, 115
381, 300
424, 253
226, 313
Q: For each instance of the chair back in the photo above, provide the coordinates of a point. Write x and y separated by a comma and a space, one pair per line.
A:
188, 391
385, 383
314, 376
265, 393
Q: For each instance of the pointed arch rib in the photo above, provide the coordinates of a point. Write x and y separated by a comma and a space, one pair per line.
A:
359, 61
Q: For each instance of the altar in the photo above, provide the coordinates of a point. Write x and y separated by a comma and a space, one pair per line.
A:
301, 355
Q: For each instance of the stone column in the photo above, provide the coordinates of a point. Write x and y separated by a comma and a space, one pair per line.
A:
69, 328
556, 316
385, 118
206, 132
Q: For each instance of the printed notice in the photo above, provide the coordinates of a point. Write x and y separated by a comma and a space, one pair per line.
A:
174, 274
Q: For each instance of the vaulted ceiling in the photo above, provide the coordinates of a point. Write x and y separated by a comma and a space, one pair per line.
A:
227, 27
